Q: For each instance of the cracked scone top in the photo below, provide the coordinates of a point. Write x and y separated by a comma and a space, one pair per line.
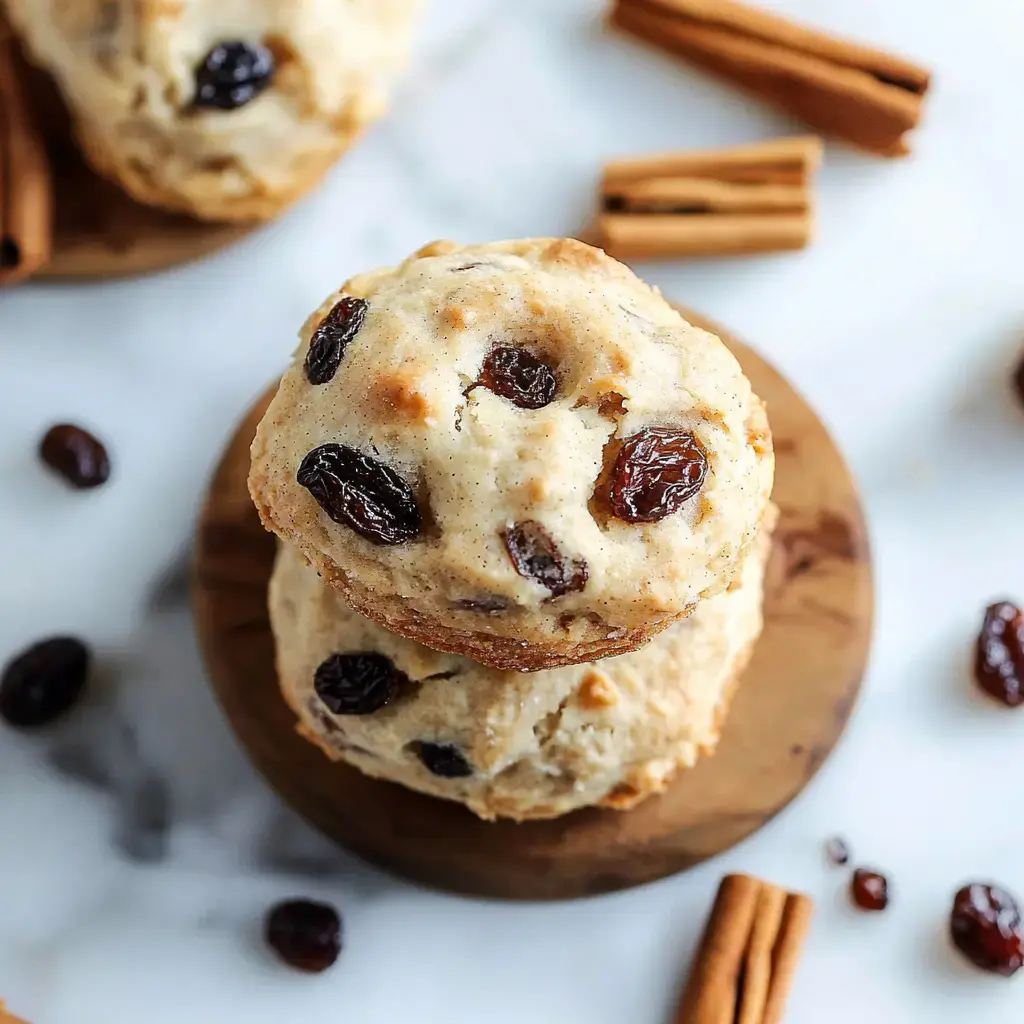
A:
517, 452
225, 109
510, 744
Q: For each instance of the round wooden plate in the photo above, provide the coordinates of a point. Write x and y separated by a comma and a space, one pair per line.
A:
788, 714
98, 230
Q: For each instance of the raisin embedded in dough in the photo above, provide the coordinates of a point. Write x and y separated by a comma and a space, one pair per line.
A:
536, 556
361, 492
333, 335
518, 375
657, 471
444, 760
358, 683
233, 74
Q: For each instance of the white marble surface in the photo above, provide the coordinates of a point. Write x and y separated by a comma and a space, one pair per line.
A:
900, 325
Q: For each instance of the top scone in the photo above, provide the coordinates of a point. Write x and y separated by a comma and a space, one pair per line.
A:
516, 452
226, 109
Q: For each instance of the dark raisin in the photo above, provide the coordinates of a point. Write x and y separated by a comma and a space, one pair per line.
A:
655, 472
999, 656
361, 492
43, 682
486, 604
837, 851
233, 74
536, 556
869, 890
1018, 379
10, 253
332, 336
519, 376
985, 925
306, 935
444, 760
76, 455
358, 684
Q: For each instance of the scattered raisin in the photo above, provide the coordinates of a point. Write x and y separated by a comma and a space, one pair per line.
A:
838, 851
486, 604
985, 925
361, 492
656, 471
332, 336
76, 455
1018, 378
358, 684
43, 682
536, 556
306, 935
444, 760
233, 74
999, 659
519, 376
869, 890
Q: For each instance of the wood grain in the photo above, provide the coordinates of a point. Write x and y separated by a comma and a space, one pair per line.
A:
791, 708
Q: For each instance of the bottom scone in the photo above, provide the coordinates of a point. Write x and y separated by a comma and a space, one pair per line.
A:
510, 744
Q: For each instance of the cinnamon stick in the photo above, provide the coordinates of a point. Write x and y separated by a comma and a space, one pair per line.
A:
656, 237
796, 923
26, 191
757, 962
754, 198
748, 954
858, 93
789, 161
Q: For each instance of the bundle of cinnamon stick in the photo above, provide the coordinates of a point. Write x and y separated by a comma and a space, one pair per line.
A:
26, 191
748, 955
755, 198
868, 97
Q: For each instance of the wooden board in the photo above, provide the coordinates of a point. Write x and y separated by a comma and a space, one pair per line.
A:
792, 704
99, 231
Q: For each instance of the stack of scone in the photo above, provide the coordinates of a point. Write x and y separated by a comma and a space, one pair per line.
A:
524, 518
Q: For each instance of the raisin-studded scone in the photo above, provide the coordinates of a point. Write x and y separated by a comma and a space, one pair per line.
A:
225, 109
510, 744
516, 452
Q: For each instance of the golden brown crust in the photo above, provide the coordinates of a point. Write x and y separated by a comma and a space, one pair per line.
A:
597, 691
583, 640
